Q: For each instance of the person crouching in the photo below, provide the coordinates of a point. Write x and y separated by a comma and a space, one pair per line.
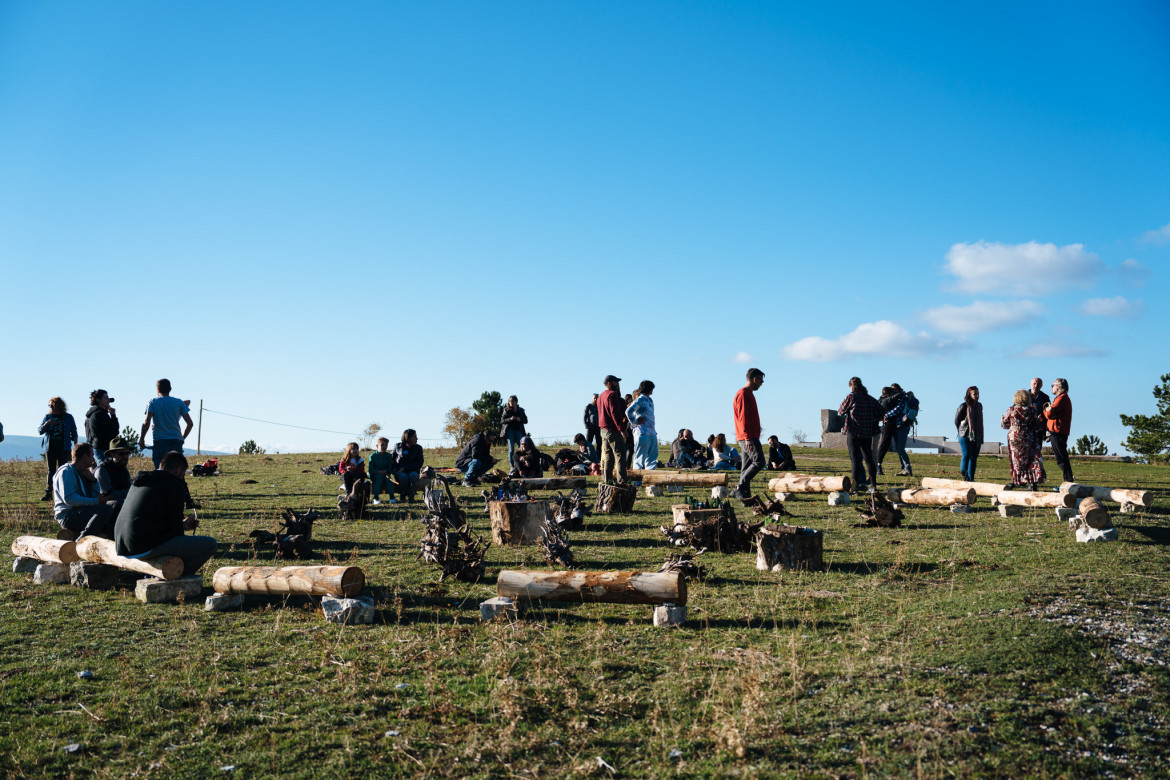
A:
151, 522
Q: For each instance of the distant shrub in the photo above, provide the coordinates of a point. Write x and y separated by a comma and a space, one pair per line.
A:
250, 447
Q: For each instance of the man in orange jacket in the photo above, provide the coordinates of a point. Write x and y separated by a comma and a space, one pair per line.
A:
1058, 415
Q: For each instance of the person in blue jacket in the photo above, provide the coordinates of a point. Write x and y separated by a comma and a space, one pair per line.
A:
58, 435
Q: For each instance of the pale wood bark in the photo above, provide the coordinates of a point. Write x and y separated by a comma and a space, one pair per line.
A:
1094, 514
1028, 498
789, 547
517, 522
290, 580
1140, 497
97, 550
612, 587
551, 483
932, 496
661, 477
684, 515
48, 550
791, 482
980, 488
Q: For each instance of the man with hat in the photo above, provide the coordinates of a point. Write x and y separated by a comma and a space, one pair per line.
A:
611, 414
113, 477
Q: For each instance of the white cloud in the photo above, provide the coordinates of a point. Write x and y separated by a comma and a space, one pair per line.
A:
1159, 237
982, 316
1020, 269
1053, 349
872, 338
1118, 307
1133, 273
743, 357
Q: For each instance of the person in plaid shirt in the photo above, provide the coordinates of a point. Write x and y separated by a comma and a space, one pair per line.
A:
862, 415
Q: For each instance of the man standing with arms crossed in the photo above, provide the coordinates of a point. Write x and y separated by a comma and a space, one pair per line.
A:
611, 413
747, 432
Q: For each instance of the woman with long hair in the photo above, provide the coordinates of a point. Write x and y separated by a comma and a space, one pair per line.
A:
1025, 438
58, 435
969, 422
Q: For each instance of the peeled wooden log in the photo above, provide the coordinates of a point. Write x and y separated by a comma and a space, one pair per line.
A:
284, 580
1140, 497
1094, 514
608, 587
695, 478
981, 488
550, 483
48, 550
932, 496
97, 550
517, 522
789, 547
791, 482
1037, 498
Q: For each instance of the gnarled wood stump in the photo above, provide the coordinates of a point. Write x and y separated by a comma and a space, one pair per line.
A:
517, 522
789, 547
615, 499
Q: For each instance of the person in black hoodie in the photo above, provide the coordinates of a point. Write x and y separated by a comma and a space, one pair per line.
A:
101, 423
512, 422
152, 522
113, 477
476, 457
408, 463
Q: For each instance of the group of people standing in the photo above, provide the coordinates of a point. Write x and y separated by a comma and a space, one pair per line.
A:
1032, 418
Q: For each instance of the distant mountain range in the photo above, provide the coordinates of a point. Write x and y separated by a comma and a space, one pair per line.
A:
25, 447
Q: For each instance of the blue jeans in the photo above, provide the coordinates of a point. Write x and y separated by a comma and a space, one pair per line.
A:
513, 438
723, 465
900, 437
970, 456
475, 469
407, 482
162, 447
194, 550
646, 452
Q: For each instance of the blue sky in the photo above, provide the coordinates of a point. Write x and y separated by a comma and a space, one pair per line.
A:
329, 215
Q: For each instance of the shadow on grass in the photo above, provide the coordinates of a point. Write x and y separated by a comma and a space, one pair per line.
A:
875, 568
621, 542
931, 527
1154, 534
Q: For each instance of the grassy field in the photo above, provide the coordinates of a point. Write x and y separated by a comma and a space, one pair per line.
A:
957, 645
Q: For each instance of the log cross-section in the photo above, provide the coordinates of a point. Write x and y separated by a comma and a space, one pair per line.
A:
48, 550
1095, 515
290, 580
609, 587
97, 550
791, 482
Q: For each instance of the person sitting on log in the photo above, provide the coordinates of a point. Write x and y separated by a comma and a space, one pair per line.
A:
381, 465
476, 457
780, 455
528, 460
586, 448
152, 524
76, 504
351, 467
113, 477
408, 464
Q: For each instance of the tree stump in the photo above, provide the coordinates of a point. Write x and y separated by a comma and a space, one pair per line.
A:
517, 522
790, 547
615, 499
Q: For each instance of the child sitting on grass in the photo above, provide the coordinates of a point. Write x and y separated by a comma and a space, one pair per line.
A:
381, 466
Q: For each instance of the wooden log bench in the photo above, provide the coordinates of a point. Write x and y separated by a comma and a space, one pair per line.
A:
666, 591
338, 586
986, 489
1036, 498
97, 550
932, 497
1130, 500
94, 563
677, 481
792, 482
47, 550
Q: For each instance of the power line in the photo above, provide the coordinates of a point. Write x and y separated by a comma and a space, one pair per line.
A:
282, 425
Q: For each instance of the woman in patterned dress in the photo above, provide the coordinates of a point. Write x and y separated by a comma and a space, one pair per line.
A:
1025, 438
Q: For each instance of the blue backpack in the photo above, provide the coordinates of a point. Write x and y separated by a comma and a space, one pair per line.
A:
909, 410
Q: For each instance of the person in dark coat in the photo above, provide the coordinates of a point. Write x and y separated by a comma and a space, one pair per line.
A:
512, 423
780, 455
152, 522
476, 458
101, 423
58, 436
862, 415
113, 478
408, 464
528, 460
592, 426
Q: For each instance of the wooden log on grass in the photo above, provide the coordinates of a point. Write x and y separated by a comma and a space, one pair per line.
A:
551, 483
47, 550
97, 550
1140, 497
1094, 514
791, 482
932, 496
517, 522
608, 587
707, 479
290, 580
1037, 498
989, 489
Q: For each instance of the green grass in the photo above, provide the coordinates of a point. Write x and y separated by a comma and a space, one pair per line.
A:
958, 645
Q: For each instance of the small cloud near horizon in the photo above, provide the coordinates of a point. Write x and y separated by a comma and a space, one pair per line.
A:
1118, 307
1159, 237
743, 357
882, 338
1020, 269
983, 316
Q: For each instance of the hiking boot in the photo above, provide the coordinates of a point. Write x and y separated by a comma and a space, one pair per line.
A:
48, 496
470, 482
902, 473
879, 471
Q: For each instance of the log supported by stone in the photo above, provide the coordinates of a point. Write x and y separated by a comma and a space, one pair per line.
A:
98, 550
932, 496
1094, 515
791, 482
517, 522
1142, 498
290, 580
989, 489
689, 478
48, 550
550, 483
1037, 498
609, 587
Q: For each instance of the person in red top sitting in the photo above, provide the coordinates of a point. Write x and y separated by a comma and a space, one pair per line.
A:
352, 468
1058, 415
747, 432
611, 414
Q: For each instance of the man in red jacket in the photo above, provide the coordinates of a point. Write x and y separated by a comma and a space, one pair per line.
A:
747, 432
611, 413
1058, 415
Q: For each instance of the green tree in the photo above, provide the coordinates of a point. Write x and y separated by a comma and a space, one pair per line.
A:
131, 435
1149, 435
490, 410
1090, 445
250, 447
457, 425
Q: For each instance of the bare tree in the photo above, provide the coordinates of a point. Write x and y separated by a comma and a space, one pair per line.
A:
368, 435
799, 436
